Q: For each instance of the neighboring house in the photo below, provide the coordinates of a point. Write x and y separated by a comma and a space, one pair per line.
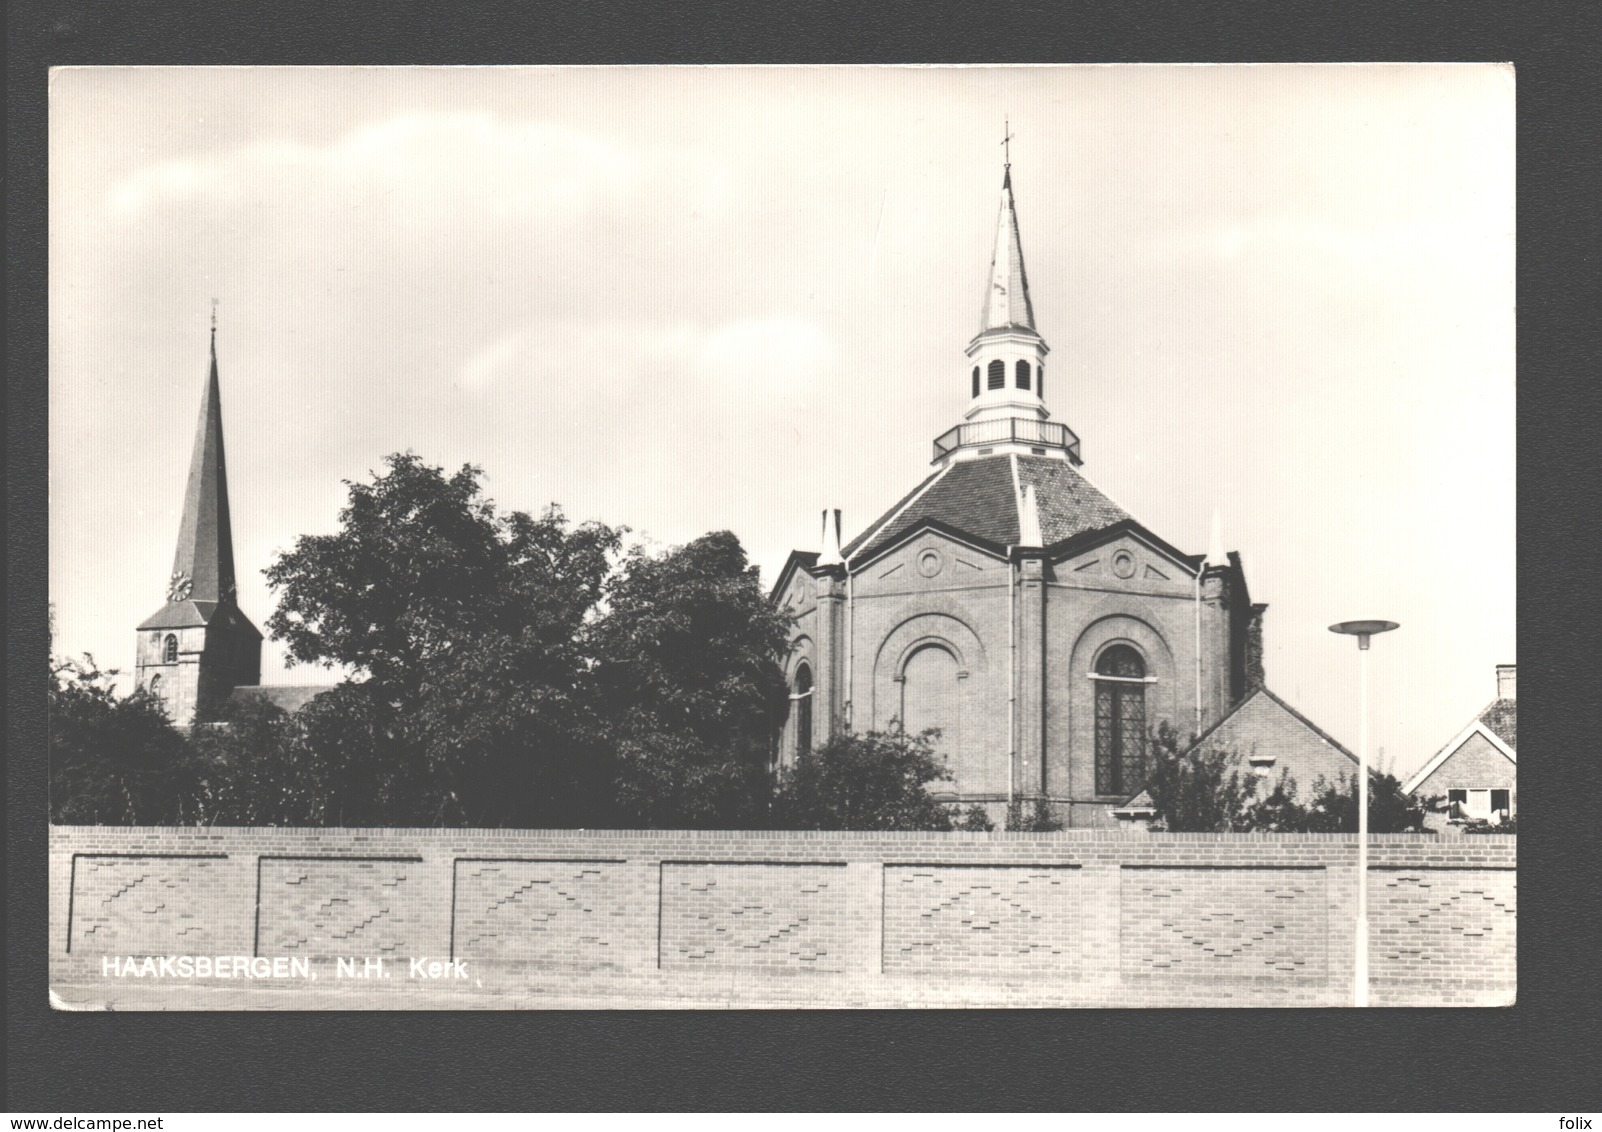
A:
1271, 737
1477, 772
1012, 605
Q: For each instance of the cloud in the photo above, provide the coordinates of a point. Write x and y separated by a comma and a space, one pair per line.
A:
411, 163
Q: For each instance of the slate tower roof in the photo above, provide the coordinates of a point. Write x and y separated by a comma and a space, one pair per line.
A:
203, 563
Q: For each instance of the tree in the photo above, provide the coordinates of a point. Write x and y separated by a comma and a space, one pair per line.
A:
688, 683
1195, 790
114, 760
875, 781
1033, 817
1201, 790
464, 630
1333, 806
257, 769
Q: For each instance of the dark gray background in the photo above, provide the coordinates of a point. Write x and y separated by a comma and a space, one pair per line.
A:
1531, 1057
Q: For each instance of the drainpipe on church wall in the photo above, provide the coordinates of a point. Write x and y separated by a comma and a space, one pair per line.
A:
1012, 677
1199, 648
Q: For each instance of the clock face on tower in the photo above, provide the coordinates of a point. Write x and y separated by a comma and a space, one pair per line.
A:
179, 589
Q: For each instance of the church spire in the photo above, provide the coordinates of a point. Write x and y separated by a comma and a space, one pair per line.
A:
203, 565
1007, 292
1007, 358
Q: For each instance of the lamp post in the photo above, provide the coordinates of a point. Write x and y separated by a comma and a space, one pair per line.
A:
1363, 631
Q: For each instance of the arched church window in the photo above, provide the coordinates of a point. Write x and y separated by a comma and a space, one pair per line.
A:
172, 649
802, 697
1023, 375
1120, 721
976, 381
1040, 382
929, 698
155, 685
996, 377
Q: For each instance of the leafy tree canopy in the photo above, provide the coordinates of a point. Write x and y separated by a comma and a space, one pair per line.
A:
114, 760
1200, 789
689, 685
875, 781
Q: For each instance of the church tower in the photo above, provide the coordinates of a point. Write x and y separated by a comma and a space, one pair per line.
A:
198, 647
1012, 609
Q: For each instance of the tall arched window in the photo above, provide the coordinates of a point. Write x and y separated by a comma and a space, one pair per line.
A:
929, 698
172, 649
996, 376
155, 685
976, 381
802, 698
1040, 382
1023, 375
1120, 721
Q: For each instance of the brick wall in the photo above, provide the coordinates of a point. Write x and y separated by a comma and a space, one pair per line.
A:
678, 919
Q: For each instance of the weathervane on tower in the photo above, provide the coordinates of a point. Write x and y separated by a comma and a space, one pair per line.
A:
1006, 141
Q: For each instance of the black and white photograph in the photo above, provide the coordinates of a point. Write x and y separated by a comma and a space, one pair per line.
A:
782, 537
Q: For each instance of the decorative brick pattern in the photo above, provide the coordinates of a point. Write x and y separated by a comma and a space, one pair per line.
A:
766, 920
549, 912
979, 920
1428, 922
1211, 923
337, 908
779, 917
146, 905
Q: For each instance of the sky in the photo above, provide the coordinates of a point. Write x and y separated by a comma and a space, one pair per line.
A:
693, 299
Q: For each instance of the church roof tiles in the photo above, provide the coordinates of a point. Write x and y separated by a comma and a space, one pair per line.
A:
980, 498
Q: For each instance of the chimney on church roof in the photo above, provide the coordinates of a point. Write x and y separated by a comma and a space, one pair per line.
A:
1216, 555
1507, 687
203, 565
1029, 536
831, 540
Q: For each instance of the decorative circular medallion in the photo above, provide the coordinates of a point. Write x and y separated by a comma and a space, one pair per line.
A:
1123, 564
929, 563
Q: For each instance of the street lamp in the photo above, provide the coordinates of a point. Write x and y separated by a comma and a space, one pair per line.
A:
1362, 630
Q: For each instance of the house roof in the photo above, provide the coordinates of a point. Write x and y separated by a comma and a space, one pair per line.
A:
1298, 716
980, 498
1497, 724
1502, 719
290, 697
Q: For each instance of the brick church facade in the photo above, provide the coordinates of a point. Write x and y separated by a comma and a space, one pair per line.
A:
1011, 604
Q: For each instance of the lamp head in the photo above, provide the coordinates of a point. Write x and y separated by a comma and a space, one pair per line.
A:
1363, 630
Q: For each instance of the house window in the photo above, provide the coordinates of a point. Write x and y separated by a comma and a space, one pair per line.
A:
1120, 721
803, 708
172, 649
1456, 804
1501, 802
976, 381
1023, 375
996, 376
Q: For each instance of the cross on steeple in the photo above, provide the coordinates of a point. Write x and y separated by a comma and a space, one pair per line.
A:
1006, 141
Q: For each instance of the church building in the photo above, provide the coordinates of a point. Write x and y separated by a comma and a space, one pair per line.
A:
198, 647
1008, 602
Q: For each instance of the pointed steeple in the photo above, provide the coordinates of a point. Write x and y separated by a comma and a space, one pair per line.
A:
204, 561
1007, 359
1007, 292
